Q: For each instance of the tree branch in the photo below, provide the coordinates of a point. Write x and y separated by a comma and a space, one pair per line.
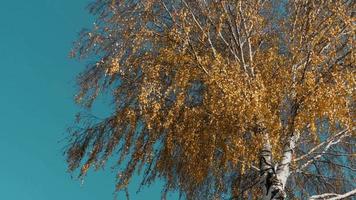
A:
333, 196
311, 151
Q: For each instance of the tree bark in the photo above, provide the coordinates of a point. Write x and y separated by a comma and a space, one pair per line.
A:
274, 175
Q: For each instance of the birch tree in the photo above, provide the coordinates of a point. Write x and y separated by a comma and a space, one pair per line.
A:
221, 99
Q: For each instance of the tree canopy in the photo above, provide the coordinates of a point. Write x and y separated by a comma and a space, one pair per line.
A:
196, 85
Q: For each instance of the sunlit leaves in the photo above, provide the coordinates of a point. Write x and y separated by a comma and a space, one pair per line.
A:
255, 74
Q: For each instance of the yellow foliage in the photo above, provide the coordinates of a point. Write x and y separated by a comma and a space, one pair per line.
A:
252, 80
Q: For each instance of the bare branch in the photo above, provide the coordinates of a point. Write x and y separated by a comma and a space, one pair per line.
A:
330, 142
334, 196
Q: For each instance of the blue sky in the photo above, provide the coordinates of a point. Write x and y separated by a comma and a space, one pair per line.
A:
36, 103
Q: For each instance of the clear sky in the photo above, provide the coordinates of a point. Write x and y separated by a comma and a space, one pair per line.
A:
36, 103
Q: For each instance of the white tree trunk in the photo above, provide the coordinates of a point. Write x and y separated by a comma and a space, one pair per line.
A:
274, 176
